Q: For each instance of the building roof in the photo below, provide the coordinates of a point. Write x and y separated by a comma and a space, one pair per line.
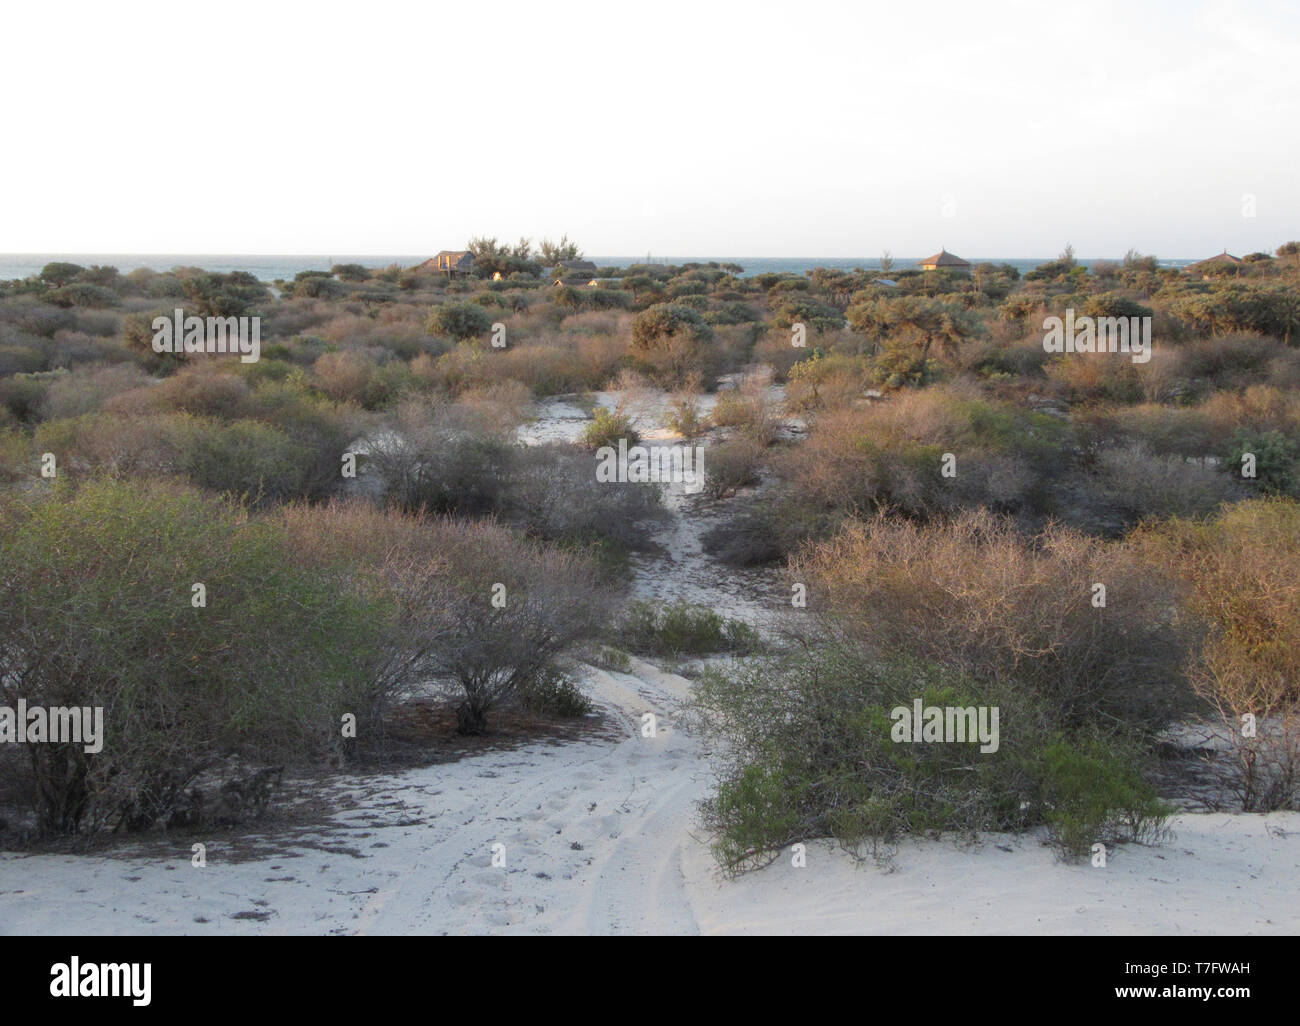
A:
455, 259
945, 259
1223, 258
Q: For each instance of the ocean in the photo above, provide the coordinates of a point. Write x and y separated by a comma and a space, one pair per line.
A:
269, 268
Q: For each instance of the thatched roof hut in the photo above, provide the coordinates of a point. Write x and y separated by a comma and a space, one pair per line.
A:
945, 261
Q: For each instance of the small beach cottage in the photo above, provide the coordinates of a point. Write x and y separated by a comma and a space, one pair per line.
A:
1216, 266
945, 261
450, 261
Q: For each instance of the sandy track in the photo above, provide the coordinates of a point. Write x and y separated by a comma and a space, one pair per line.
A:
600, 837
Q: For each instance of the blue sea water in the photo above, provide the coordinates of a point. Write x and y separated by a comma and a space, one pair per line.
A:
269, 268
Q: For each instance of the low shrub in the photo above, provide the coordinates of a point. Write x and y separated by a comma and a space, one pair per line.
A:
682, 629
1140, 485
730, 465
554, 693
977, 595
608, 427
97, 609
806, 744
1239, 571
1093, 793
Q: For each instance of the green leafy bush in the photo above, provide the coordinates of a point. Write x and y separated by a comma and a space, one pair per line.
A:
556, 694
1093, 793
1277, 461
460, 321
803, 745
98, 608
255, 462
682, 629
608, 427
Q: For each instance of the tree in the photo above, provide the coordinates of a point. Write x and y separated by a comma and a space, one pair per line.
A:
670, 338
802, 309
836, 285
1135, 261
638, 283
930, 321
59, 272
555, 253
317, 286
350, 272
1276, 461
223, 295
1113, 304
486, 248
493, 257
1062, 265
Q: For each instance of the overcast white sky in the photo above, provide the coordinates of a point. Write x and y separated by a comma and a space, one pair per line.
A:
804, 128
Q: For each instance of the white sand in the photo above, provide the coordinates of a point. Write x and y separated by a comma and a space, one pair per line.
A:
601, 836
640, 867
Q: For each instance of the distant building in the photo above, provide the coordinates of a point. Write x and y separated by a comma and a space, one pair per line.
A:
578, 266
1224, 263
945, 261
450, 261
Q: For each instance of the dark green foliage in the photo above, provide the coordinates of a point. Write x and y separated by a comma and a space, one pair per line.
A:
460, 321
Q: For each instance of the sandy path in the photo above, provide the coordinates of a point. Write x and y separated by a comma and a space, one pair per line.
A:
600, 836
593, 832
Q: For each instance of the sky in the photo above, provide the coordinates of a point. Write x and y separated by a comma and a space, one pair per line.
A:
809, 129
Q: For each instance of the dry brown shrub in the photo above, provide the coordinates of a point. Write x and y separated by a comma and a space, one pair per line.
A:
1164, 376
444, 575
749, 408
1242, 572
1259, 408
775, 349
730, 465
346, 375
1084, 376
118, 447
600, 356
1177, 430
1141, 484
503, 405
976, 595
204, 389
86, 389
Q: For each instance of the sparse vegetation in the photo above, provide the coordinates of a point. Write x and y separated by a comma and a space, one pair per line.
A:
949, 493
